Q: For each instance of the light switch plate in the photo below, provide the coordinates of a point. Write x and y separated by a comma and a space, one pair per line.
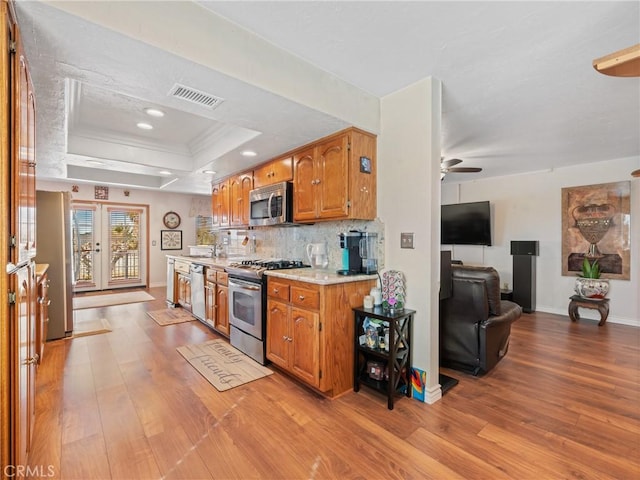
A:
406, 240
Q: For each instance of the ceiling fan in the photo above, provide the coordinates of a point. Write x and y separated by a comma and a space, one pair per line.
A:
449, 166
623, 63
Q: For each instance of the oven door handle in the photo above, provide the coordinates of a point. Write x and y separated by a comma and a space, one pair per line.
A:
244, 285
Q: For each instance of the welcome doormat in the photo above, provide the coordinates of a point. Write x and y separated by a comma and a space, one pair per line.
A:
84, 328
95, 301
171, 316
222, 365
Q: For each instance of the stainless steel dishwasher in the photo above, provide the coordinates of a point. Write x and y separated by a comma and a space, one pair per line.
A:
197, 290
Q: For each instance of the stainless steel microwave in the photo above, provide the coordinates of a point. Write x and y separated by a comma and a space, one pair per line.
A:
271, 205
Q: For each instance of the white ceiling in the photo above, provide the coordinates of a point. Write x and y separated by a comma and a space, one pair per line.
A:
519, 90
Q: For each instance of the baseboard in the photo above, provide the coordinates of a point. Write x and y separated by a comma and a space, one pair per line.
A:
591, 315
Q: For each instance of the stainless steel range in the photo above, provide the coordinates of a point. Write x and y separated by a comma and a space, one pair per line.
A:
248, 303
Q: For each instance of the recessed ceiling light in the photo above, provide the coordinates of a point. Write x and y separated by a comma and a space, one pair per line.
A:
210, 172
164, 172
249, 153
154, 112
144, 126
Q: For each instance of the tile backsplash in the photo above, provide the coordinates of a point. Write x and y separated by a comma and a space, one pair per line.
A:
290, 242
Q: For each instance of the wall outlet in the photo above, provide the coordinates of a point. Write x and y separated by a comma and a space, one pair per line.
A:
406, 240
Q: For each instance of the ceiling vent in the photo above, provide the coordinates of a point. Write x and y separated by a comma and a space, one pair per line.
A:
195, 96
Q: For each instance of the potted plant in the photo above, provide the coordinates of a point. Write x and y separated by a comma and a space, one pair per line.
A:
589, 284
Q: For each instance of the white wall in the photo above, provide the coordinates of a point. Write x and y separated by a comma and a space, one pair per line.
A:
409, 201
187, 206
528, 207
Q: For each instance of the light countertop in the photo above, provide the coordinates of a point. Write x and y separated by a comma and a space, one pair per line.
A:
218, 262
318, 276
309, 275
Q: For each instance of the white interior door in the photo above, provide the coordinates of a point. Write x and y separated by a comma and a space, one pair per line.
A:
110, 246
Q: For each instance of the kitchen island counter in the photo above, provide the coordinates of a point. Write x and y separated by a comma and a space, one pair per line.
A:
318, 276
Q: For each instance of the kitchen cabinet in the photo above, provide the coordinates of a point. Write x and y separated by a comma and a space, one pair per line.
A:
275, 171
42, 309
220, 204
239, 188
184, 291
310, 331
18, 352
24, 198
335, 178
216, 300
183, 282
222, 312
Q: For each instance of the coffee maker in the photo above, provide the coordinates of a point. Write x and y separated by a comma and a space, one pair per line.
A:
369, 253
350, 245
359, 252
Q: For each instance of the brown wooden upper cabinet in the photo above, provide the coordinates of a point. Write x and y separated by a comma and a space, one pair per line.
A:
239, 188
335, 178
220, 204
276, 171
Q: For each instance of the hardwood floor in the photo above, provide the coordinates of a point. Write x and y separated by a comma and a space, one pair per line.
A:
564, 403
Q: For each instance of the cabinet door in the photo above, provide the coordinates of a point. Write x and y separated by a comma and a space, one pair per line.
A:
332, 189
24, 362
187, 292
278, 333
222, 310
304, 187
21, 201
235, 200
220, 204
224, 204
305, 352
215, 205
276, 171
184, 290
239, 188
210, 303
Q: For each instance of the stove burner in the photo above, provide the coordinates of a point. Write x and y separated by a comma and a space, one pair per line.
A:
274, 264
254, 268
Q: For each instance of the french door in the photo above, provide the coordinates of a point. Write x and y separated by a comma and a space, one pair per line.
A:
109, 246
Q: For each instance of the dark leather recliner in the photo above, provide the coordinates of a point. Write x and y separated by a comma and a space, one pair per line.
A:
475, 324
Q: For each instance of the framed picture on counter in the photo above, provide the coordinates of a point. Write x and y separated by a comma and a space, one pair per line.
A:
170, 239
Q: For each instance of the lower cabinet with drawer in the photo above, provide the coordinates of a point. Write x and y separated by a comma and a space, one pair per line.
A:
216, 300
310, 331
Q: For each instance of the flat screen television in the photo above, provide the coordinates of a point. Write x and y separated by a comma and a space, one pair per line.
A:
466, 224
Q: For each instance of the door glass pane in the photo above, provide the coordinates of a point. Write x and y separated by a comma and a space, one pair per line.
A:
83, 245
124, 243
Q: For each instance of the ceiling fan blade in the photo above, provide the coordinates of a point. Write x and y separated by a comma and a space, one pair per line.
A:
450, 163
635, 173
464, 170
623, 63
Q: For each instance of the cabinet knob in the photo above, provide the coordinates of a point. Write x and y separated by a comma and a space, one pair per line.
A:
284, 338
276, 291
